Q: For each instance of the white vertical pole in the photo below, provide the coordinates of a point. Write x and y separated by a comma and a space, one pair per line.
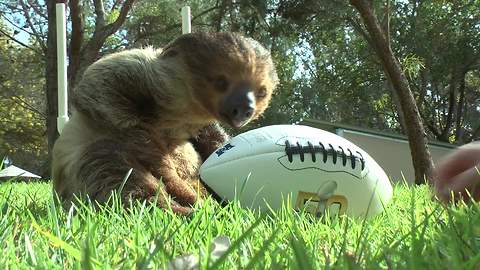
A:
62, 67
186, 22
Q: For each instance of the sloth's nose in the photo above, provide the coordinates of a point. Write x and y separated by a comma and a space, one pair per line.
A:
242, 112
239, 107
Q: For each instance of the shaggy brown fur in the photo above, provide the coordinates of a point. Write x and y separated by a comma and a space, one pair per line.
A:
156, 111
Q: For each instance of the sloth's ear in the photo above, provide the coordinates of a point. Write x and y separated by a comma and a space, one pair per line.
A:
169, 52
183, 43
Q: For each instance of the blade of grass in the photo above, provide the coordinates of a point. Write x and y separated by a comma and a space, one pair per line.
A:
300, 252
74, 252
261, 252
237, 243
124, 181
29, 248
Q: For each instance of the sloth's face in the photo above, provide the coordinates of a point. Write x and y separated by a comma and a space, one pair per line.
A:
233, 77
235, 101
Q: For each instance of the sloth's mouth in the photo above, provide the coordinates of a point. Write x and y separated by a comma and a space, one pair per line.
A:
232, 122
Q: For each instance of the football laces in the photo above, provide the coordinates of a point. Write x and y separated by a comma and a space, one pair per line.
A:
319, 148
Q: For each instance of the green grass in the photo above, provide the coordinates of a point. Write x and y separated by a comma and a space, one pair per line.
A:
413, 233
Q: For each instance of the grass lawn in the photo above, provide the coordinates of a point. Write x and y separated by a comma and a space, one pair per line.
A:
413, 233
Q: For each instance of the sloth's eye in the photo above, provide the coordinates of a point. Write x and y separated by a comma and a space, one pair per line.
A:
261, 93
221, 83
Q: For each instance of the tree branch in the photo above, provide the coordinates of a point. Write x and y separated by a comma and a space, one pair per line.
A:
89, 53
15, 25
77, 27
357, 27
434, 130
158, 31
28, 19
115, 4
205, 12
77, 38
452, 100
460, 108
36, 7
18, 100
12, 38
220, 15
475, 133
100, 13
101, 34
12, 8
113, 27
473, 64
386, 23
173, 26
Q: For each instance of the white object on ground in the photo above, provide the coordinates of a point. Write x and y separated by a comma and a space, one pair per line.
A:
316, 169
13, 171
190, 261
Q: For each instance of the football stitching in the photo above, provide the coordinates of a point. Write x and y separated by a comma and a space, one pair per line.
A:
301, 150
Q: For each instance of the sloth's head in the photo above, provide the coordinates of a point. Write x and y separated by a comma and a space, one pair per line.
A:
232, 77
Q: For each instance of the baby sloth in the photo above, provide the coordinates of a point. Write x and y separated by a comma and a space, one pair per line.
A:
157, 111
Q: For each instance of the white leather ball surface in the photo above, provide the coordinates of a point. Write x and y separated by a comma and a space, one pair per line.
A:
317, 169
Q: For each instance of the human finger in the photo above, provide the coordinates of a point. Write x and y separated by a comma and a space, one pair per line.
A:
461, 160
459, 185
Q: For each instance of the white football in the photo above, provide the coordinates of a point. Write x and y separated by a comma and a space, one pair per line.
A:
317, 170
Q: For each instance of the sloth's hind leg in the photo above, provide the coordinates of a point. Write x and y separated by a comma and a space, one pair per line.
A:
104, 167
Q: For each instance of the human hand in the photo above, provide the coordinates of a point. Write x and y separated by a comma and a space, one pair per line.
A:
459, 173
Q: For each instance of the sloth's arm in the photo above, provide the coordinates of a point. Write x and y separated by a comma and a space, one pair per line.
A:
209, 139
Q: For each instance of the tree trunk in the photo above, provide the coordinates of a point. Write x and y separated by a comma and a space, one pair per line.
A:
51, 79
220, 15
459, 114
452, 104
422, 161
396, 101
76, 42
83, 52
